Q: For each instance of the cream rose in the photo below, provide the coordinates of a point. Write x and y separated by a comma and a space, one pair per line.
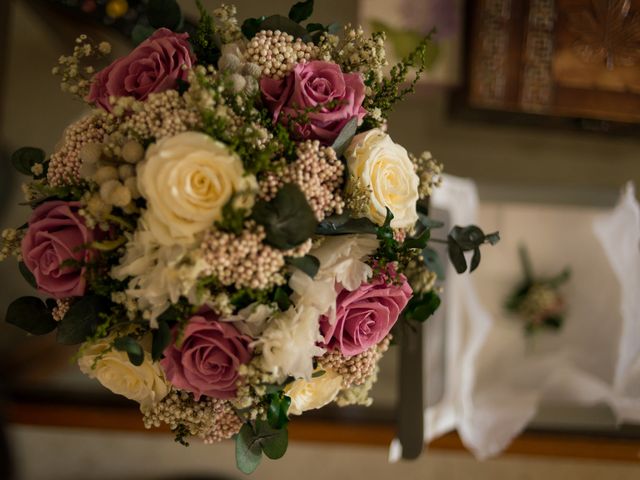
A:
315, 393
186, 180
145, 384
383, 168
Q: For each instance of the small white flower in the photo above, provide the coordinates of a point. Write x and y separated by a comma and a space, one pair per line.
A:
160, 274
289, 343
251, 320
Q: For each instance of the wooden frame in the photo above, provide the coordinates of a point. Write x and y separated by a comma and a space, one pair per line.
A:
127, 419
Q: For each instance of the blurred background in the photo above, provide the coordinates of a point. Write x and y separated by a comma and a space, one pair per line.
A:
538, 103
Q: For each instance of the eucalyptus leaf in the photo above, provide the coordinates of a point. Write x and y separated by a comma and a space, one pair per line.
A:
456, 255
282, 299
492, 238
287, 219
25, 158
251, 26
27, 275
422, 306
32, 315
429, 222
164, 13
141, 32
248, 450
161, 337
432, 262
345, 137
274, 442
344, 225
475, 260
418, 242
277, 412
132, 348
308, 264
284, 24
81, 320
301, 11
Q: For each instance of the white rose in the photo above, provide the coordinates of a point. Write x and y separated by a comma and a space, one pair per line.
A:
315, 393
186, 180
145, 384
289, 343
384, 169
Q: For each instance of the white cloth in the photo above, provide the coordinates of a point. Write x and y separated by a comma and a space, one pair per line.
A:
495, 378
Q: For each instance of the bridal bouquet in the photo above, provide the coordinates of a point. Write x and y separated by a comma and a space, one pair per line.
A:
230, 234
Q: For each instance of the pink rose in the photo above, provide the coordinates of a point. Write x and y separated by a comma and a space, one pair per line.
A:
320, 91
153, 66
366, 315
207, 360
57, 233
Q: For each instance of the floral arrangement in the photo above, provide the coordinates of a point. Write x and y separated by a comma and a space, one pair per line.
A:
538, 302
230, 234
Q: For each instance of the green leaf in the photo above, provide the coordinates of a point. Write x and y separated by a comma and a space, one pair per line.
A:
164, 13
282, 299
32, 315
422, 306
492, 238
274, 442
26, 157
418, 242
275, 446
315, 27
456, 255
475, 260
308, 264
81, 320
301, 11
284, 24
287, 219
248, 450
277, 413
140, 33
171, 314
343, 225
251, 26
345, 137
27, 275
161, 337
132, 347
318, 373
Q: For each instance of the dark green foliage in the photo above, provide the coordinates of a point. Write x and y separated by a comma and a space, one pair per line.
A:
25, 158
253, 440
161, 337
344, 225
465, 239
204, 42
164, 13
141, 32
27, 275
301, 11
308, 264
288, 219
81, 320
422, 306
132, 348
32, 315
343, 140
